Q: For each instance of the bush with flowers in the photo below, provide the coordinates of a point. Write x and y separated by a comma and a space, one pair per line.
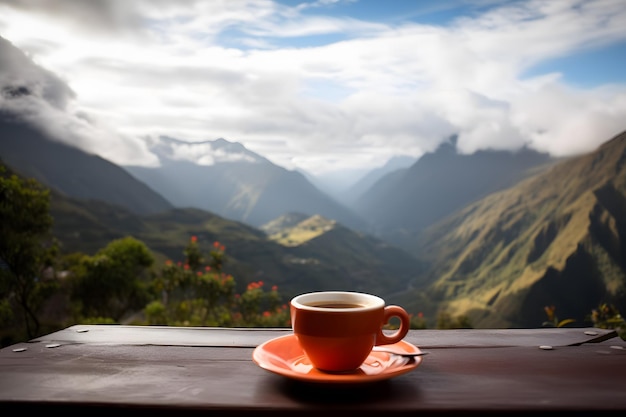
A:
607, 316
198, 293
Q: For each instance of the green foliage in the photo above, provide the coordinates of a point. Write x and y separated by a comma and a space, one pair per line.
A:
553, 320
607, 316
195, 294
261, 308
110, 284
193, 254
418, 322
97, 320
155, 313
27, 252
446, 321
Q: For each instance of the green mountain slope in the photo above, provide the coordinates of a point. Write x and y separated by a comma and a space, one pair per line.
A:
558, 238
408, 201
87, 226
366, 263
75, 173
283, 222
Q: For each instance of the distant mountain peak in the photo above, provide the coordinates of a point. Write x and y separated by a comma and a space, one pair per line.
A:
448, 147
209, 152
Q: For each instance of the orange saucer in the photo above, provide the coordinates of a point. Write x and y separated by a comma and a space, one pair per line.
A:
284, 356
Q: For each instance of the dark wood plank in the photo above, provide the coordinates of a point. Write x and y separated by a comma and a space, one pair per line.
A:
244, 337
476, 372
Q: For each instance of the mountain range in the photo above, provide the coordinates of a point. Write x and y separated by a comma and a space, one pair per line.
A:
495, 235
556, 238
409, 200
94, 202
235, 183
71, 171
552, 238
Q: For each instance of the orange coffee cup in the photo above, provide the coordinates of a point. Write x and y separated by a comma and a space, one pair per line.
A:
338, 329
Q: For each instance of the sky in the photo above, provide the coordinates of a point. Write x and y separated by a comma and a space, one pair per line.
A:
322, 85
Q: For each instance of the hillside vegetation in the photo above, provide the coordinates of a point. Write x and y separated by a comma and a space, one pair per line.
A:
550, 233
557, 238
87, 226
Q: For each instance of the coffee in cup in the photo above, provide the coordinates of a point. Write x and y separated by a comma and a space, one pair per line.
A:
338, 329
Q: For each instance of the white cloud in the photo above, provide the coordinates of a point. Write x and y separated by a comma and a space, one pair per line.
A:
562, 120
205, 153
162, 68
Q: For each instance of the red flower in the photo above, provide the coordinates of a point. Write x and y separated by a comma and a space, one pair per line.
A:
194, 239
255, 285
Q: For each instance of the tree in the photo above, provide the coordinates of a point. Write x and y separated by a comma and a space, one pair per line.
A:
446, 321
114, 281
26, 251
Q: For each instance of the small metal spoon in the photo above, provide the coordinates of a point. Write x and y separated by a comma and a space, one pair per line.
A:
393, 352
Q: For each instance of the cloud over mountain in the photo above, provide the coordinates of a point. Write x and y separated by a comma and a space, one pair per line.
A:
326, 85
41, 98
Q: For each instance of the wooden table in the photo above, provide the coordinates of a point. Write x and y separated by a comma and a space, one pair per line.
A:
135, 370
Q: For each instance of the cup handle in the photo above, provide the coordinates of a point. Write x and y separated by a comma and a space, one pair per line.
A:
405, 324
